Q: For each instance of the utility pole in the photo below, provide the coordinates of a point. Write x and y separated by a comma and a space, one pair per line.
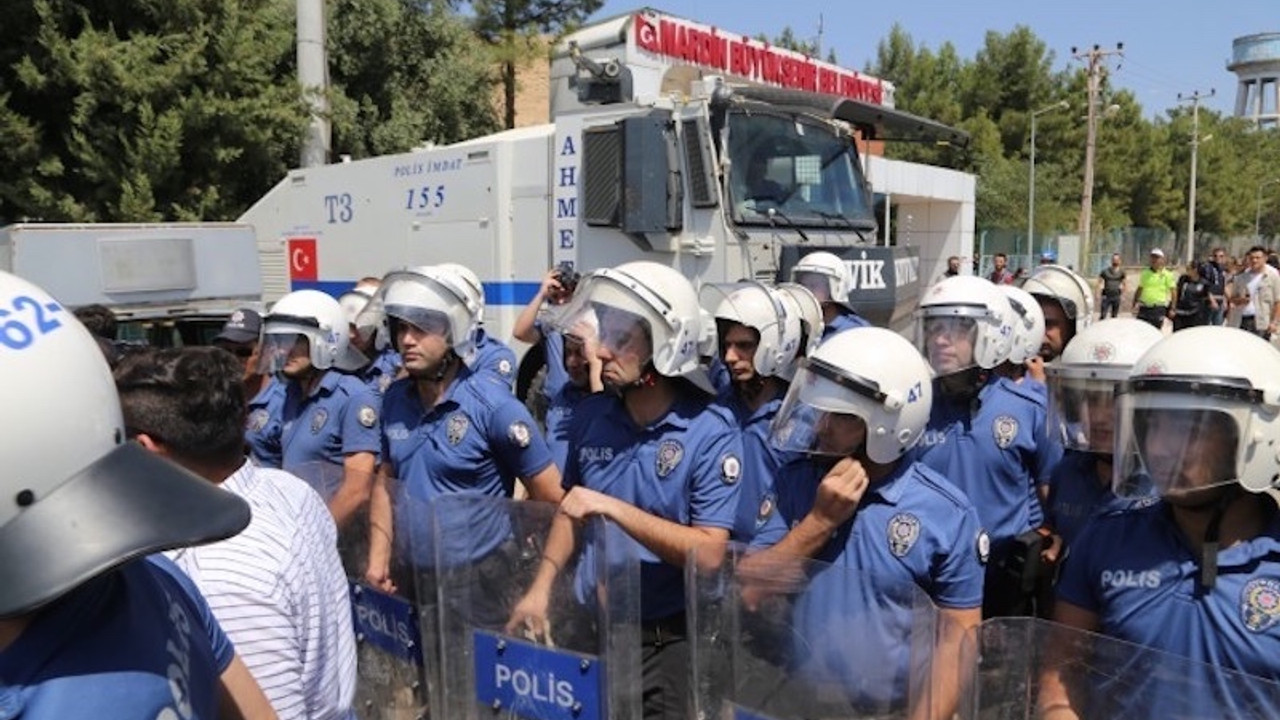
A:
1194, 98
1096, 59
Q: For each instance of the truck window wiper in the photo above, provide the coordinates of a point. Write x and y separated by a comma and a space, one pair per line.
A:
774, 212
860, 230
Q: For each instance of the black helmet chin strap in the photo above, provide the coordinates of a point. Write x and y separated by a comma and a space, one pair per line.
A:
1209, 548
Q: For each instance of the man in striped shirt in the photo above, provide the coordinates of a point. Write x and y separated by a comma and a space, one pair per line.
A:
277, 588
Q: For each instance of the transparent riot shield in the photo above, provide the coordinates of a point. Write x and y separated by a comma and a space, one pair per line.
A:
1025, 668
390, 662
328, 480
576, 656
784, 638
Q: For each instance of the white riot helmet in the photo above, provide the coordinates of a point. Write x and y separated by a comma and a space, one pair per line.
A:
964, 311
315, 316
1082, 382
657, 296
432, 298
1028, 324
828, 277
471, 284
1200, 409
889, 389
1069, 290
76, 498
757, 307
800, 301
353, 303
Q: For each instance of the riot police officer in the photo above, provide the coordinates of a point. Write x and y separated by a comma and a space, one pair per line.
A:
986, 433
87, 612
446, 428
830, 279
381, 363
758, 343
329, 419
848, 497
1193, 574
653, 456
1067, 303
1082, 384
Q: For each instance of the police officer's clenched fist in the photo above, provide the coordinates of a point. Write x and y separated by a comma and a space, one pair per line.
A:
840, 492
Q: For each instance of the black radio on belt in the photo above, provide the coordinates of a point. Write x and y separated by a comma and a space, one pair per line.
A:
1023, 560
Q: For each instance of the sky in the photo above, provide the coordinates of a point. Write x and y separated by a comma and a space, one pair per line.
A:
1170, 46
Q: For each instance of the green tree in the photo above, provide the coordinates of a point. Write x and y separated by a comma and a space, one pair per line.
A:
402, 73
514, 30
138, 111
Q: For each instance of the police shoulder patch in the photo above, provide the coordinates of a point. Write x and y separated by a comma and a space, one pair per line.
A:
670, 453
766, 509
1004, 429
519, 434
504, 367
1260, 604
257, 420
730, 469
983, 546
904, 530
318, 419
367, 416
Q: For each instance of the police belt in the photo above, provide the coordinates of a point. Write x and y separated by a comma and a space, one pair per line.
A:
664, 630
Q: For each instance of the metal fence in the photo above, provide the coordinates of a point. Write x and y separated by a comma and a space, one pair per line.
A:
1133, 243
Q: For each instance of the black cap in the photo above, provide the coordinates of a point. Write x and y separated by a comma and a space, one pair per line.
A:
243, 326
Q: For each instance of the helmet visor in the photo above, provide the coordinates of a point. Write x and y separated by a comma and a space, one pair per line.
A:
607, 315
948, 341
1082, 412
1170, 447
815, 282
823, 412
277, 347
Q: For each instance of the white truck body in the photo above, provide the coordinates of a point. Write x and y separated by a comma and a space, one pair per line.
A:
649, 115
165, 272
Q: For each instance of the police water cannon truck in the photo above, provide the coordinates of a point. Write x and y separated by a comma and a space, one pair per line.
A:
167, 283
670, 141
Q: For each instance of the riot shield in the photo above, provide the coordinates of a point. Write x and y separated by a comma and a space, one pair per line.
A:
353, 529
389, 656
1026, 668
784, 638
478, 557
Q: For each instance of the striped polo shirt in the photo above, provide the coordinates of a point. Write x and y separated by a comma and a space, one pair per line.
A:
280, 594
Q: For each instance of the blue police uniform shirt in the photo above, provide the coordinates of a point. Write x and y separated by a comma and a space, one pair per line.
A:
760, 462
559, 421
1133, 569
262, 424
136, 642
494, 360
996, 455
338, 418
1075, 494
845, 320
477, 440
683, 467
912, 528
553, 352
380, 373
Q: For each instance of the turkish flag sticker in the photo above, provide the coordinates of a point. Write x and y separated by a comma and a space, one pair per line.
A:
302, 259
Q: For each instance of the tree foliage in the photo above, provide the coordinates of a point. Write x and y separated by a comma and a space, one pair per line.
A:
1142, 166
514, 31
138, 110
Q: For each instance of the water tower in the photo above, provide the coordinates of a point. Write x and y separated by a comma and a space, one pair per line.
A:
1255, 59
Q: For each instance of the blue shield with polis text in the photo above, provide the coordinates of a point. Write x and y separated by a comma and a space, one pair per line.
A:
516, 636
